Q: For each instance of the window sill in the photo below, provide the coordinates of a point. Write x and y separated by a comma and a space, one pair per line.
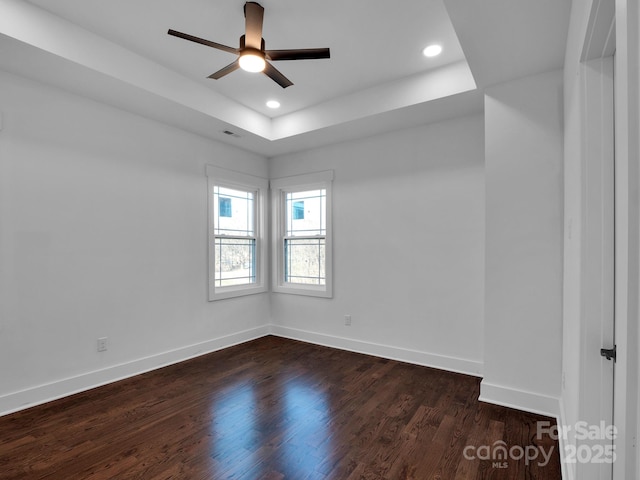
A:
223, 293
310, 291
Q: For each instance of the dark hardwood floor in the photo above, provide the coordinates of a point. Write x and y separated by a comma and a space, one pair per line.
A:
277, 409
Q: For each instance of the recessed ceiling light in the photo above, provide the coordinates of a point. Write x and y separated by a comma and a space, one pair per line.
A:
432, 51
273, 104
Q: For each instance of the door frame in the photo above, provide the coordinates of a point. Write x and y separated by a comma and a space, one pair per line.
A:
598, 257
627, 211
596, 382
626, 14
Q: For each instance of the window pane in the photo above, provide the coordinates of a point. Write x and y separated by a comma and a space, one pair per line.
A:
305, 261
306, 213
224, 204
235, 261
298, 210
233, 211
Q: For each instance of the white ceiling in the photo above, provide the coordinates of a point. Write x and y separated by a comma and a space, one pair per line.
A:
376, 79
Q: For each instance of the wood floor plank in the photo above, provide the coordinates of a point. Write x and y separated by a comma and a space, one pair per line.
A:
273, 409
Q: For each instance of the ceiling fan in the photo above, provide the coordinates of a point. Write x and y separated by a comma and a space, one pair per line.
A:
252, 55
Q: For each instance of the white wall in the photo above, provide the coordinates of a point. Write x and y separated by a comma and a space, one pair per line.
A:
523, 300
408, 246
103, 232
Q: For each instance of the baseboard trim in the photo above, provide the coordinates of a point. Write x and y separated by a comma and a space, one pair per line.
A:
23, 399
442, 362
519, 399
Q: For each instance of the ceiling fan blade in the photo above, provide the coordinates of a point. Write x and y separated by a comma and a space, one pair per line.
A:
274, 74
299, 54
202, 41
254, 14
226, 70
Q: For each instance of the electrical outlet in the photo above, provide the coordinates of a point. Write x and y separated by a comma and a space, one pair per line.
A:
347, 320
102, 344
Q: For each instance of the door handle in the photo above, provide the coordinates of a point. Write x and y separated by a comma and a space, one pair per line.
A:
609, 353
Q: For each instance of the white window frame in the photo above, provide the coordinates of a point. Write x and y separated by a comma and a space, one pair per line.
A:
230, 179
279, 188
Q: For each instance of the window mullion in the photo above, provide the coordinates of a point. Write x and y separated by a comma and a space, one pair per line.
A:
236, 237
305, 237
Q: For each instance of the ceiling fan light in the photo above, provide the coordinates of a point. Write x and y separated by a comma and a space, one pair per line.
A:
432, 50
252, 62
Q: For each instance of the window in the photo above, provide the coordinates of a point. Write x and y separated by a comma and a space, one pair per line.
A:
234, 237
237, 257
305, 238
302, 234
